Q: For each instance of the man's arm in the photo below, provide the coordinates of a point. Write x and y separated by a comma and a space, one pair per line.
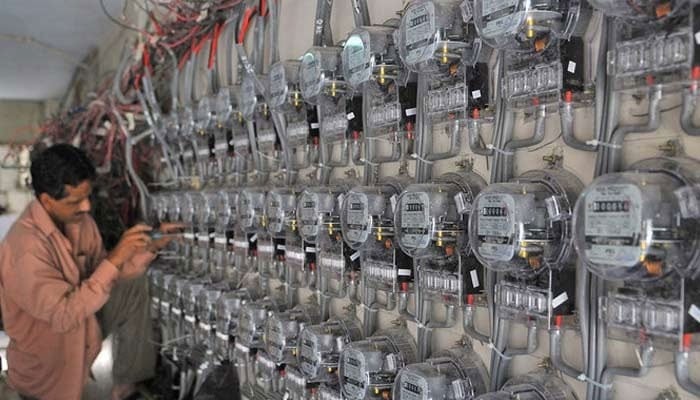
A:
131, 268
37, 285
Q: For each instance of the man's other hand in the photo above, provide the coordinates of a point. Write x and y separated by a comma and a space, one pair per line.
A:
169, 231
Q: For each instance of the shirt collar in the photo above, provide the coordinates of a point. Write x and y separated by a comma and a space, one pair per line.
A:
41, 218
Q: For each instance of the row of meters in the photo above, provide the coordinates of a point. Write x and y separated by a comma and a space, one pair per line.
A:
378, 244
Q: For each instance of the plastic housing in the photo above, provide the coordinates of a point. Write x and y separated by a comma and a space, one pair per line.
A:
641, 224
280, 211
539, 385
320, 66
524, 25
282, 332
367, 215
226, 206
524, 226
228, 308
187, 211
320, 347
252, 320
453, 374
251, 203
283, 84
247, 98
317, 208
365, 50
367, 368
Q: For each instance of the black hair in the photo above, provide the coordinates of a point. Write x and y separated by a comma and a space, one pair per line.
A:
58, 166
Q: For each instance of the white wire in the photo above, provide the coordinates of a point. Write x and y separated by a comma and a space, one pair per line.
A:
495, 149
417, 157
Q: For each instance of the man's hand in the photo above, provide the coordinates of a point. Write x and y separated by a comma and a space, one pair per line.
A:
134, 240
168, 231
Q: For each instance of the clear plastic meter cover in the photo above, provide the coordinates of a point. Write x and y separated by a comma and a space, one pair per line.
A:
316, 207
524, 226
252, 320
280, 211
453, 374
432, 216
187, 210
318, 65
366, 212
320, 347
282, 331
203, 115
228, 308
247, 98
223, 106
432, 33
365, 49
367, 368
204, 208
225, 206
641, 224
538, 385
283, 82
251, 203
524, 25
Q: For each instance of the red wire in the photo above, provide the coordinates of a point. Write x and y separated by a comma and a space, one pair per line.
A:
214, 44
245, 23
263, 8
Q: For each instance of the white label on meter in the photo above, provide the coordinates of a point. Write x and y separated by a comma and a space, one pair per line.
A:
419, 26
308, 220
415, 220
613, 223
356, 58
559, 300
266, 136
354, 375
356, 217
694, 312
413, 387
495, 226
475, 278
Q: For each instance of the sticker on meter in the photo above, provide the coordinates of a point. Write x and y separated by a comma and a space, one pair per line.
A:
413, 387
613, 224
308, 220
309, 357
415, 220
357, 217
495, 226
419, 28
278, 85
356, 58
310, 75
354, 374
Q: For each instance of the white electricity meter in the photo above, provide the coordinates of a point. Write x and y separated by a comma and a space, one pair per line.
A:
282, 332
187, 207
434, 35
524, 25
190, 291
369, 50
280, 211
452, 374
228, 309
225, 209
431, 218
174, 208
251, 203
206, 315
367, 215
283, 85
524, 226
367, 368
320, 67
320, 347
641, 224
318, 208
268, 375
252, 320
539, 385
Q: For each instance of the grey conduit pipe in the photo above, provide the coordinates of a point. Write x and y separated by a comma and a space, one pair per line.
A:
536, 138
323, 36
555, 356
690, 97
116, 82
274, 31
474, 133
423, 169
645, 356
360, 13
682, 368
530, 347
469, 327
455, 144
618, 136
403, 307
259, 45
280, 124
566, 117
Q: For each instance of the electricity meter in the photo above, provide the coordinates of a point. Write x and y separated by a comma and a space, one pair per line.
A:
247, 98
641, 224
282, 332
228, 309
251, 203
280, 211
452, 374
187, 208
186, 122
161, 297
431, 223
321, 345
252, 320
155, 279
318, 209
524, 226
434, 35
203, 116
368, 213
366, 50
320, 67
539, 385
190, 291
174, 208
222, 107
173, 304
268, 375
206, 314
206, 213
367, 368
524, 26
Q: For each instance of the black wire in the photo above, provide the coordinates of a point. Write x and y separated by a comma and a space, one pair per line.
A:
546, 144
116, 21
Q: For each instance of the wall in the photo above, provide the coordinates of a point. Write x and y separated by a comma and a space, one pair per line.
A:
296, 34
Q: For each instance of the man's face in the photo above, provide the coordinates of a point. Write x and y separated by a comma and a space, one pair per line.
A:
72, 207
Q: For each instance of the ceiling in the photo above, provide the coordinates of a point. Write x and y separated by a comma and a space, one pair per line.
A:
70, 28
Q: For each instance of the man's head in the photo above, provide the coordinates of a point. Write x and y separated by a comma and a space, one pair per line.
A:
62, 180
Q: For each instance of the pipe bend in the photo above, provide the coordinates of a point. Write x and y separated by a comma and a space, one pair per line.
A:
555, 356
455, 145
537, 135
474, 132
448, 322
687, 111
403, 308
470, 328
646, 355
530, 347
683, 374
566, 117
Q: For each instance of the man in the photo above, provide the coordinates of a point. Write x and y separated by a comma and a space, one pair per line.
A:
61, 293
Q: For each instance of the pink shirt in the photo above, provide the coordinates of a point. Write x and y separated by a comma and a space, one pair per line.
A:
51, 286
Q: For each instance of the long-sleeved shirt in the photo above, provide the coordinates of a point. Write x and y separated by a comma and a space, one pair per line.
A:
51, 286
